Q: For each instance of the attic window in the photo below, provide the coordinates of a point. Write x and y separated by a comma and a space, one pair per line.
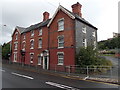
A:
16, 36
40, 32
32, 33
61, 24
84, 29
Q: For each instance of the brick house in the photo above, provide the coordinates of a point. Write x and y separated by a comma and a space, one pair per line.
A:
54, 41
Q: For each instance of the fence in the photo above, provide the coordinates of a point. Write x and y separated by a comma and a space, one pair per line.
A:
91, 71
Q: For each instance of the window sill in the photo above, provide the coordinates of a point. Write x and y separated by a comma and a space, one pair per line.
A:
60, 30
39, 64
60, 64
14, 61
39, 47
31, 48
60, 47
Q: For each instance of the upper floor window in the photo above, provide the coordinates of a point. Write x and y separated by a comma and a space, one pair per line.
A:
60, 24
32, 33
60, 58
15, 46
60, 41
40, 32
84, 29
16, 36
84, 43
40, 43
94, 44
32, 44
93, 33
23, 46
24, 36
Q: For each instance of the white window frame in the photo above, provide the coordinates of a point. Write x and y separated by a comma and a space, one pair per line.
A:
40, 32
93, 33
84, 42
24, 37
15, 56
31, 45
61, 25
60, 42
60, 53
95, 44
16, 36
39, 60
23, 47
32, 33
84, 29
39, 45
15, 45
31, 62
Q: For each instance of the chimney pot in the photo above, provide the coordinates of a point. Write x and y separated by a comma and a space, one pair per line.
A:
76, 8
45, 16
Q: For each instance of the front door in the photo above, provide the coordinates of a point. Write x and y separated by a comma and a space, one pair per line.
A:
45, 60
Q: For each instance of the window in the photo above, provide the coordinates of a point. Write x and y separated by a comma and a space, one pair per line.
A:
40, 43
16, 36
94, 45
32, 33
23, 45
84, 43
16, 46
93, 33
23, 36
40, 32
31, 58
84, 29
39, 60
61, 25
15, 57
60, 41
60, 58
32, 44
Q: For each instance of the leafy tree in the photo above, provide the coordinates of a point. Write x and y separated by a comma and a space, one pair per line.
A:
89, 56
5, 50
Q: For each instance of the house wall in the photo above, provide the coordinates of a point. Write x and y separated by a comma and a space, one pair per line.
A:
79, 35
68, 32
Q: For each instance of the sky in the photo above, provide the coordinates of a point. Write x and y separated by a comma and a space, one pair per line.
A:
103, 14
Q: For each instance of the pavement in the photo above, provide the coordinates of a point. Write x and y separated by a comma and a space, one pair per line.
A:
88, 82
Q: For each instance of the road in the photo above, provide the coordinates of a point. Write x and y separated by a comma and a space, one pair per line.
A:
12, 78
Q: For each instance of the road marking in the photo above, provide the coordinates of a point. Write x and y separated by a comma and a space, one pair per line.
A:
2, 70
22, 75
61, 86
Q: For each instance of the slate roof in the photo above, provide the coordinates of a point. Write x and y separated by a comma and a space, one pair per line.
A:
79, 18
21, 29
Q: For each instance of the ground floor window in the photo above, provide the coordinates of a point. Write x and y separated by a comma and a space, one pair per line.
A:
39, 60
31, 57
60, 58
15, 57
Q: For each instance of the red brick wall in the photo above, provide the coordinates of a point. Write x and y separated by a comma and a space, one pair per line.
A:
69, 51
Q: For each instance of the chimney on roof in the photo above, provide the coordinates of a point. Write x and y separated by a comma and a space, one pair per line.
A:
45, 16
76, 8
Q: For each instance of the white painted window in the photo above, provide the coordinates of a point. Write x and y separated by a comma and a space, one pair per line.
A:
93, 33
24, 36
15, 57
94, 44
32, 44
32, 33
60, 41
60, 58
84, 29
40, 43
39, 60
84, 43
61, 24
40, 32
15, 46
31, 58
23, 45
16, 36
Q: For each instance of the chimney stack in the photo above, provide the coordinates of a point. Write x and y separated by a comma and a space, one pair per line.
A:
45, 16
76, 8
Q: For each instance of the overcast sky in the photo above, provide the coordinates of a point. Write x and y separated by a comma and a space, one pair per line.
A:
103, 14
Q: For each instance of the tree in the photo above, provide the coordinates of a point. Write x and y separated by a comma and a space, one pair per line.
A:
5, 51
88, 56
